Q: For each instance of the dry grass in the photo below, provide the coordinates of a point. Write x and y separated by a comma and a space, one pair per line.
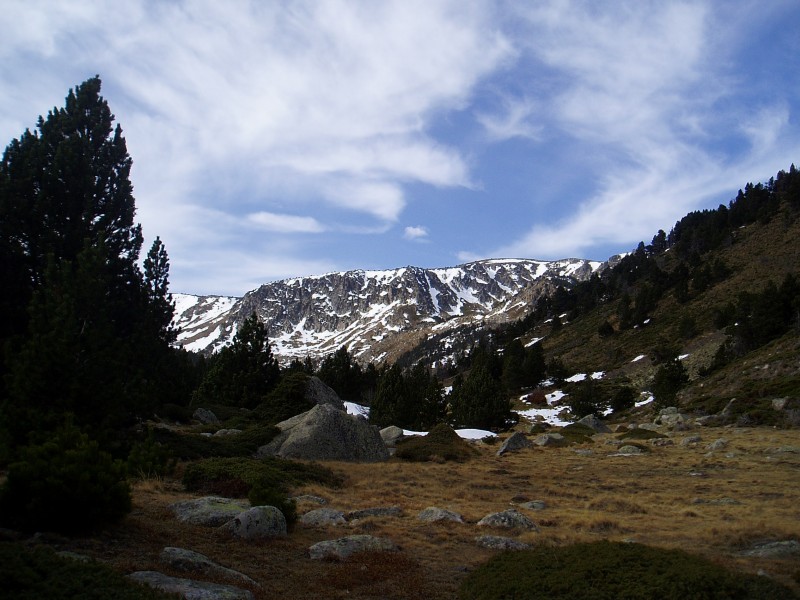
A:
648, 498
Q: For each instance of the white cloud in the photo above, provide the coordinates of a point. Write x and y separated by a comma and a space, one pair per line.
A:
415, 233
279, 223
514, 121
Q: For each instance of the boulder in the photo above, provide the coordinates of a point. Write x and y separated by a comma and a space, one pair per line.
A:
342, 548
719, 444
780, 549
534, 505
691, 440
433, 514
508, 519
322, 517
205, 416
629, 449
670, 418
257, 523
189, 561
209, 511
496, 542
517, 441
595, 423
189, 589
550, 439
327, 433
318, 392
391, 435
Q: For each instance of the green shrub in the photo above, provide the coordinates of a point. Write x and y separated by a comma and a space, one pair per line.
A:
192, 446
149, 458
442, 443
640, 434
611, 570
41, 573
263, 494
286, 400
66, 484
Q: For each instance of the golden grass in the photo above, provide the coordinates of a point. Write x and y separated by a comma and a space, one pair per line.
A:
649, 499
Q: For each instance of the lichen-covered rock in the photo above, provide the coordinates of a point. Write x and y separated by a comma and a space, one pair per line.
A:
496, 542
257, 523
433, 514
209, 511
508, 519
342, 548
322, 517
327, 433
189, 589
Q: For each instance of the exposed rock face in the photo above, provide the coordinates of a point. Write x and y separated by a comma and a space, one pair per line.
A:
508, 519
345, 547
320, 393
314, 316
209, 511
326, 433
190, 589
516, 441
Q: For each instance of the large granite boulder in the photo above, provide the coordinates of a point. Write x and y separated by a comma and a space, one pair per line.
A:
508, 519
327, 433
320, 393
210, 511
188, 561
257, 523
343, 548
190, 589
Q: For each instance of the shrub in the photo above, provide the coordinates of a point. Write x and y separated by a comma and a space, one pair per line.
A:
441, 443
41, 573
640, 434
66, 484
148, 458
190, 446
610, 570
577, 433
264, 494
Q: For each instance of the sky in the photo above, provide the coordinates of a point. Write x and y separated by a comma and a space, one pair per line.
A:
278, 139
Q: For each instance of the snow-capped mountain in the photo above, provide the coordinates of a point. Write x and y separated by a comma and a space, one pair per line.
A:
376, 314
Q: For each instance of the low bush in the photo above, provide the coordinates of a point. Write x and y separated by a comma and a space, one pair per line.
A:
193, 446
149, 458
611, 570
65, 484
441, 444
640, 434
577, 433
41, 573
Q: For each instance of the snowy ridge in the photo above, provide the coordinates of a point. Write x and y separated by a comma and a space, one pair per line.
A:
369, 311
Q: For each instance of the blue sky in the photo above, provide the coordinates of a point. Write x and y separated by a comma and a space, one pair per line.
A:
278, 139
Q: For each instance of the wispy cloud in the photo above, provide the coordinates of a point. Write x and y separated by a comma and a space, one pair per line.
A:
416, 233
279, 223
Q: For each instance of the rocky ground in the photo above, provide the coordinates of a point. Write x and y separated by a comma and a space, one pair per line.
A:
727, 493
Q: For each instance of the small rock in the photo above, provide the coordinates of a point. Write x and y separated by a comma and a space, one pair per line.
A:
595, 423
379, 511
630, 450
391, 435
517, 441
205, 416
224, 432
496, 542
433, 514
662, 442
691, 440
343, 548
310, 498
257, 523
550, 439
322, 517
717, 445
534, 505
189, 561
189, 589
508, 519
779, 403
780, 549
583, 452
209, 511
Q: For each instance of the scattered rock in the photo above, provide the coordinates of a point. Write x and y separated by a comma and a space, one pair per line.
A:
209, 511
378, 511
517, 441
691, 440
780, 403
310, 498
327, 433
496, 542
534, 505
323, 517
595, 423
583, 452
205, 416
189, 589
629, 450
223, 432
661, 442
672, 419
508, 519
550, 439
342, 548
257, 523
391, 435
189, 561
719, 444
648, 426
780, 549
433, 514
717, 502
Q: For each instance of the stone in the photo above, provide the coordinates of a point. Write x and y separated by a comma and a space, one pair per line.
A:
318, 392
391, 435
662, 442
310, 498
550, 439
629, 450
719, 444
189, 589
780, 403
209, 511
672, 419
433, 514
508, 519
691, 440
327, 433
516, 441
534, 505
343, 548
323, 517
224, 432
779, 549
595, 423
205, 416
378, 511
496, 542
257, 523
189, 561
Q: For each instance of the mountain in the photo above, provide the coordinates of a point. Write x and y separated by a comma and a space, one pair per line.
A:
378, 315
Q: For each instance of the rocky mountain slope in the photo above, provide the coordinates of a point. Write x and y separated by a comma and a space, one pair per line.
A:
376, 314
